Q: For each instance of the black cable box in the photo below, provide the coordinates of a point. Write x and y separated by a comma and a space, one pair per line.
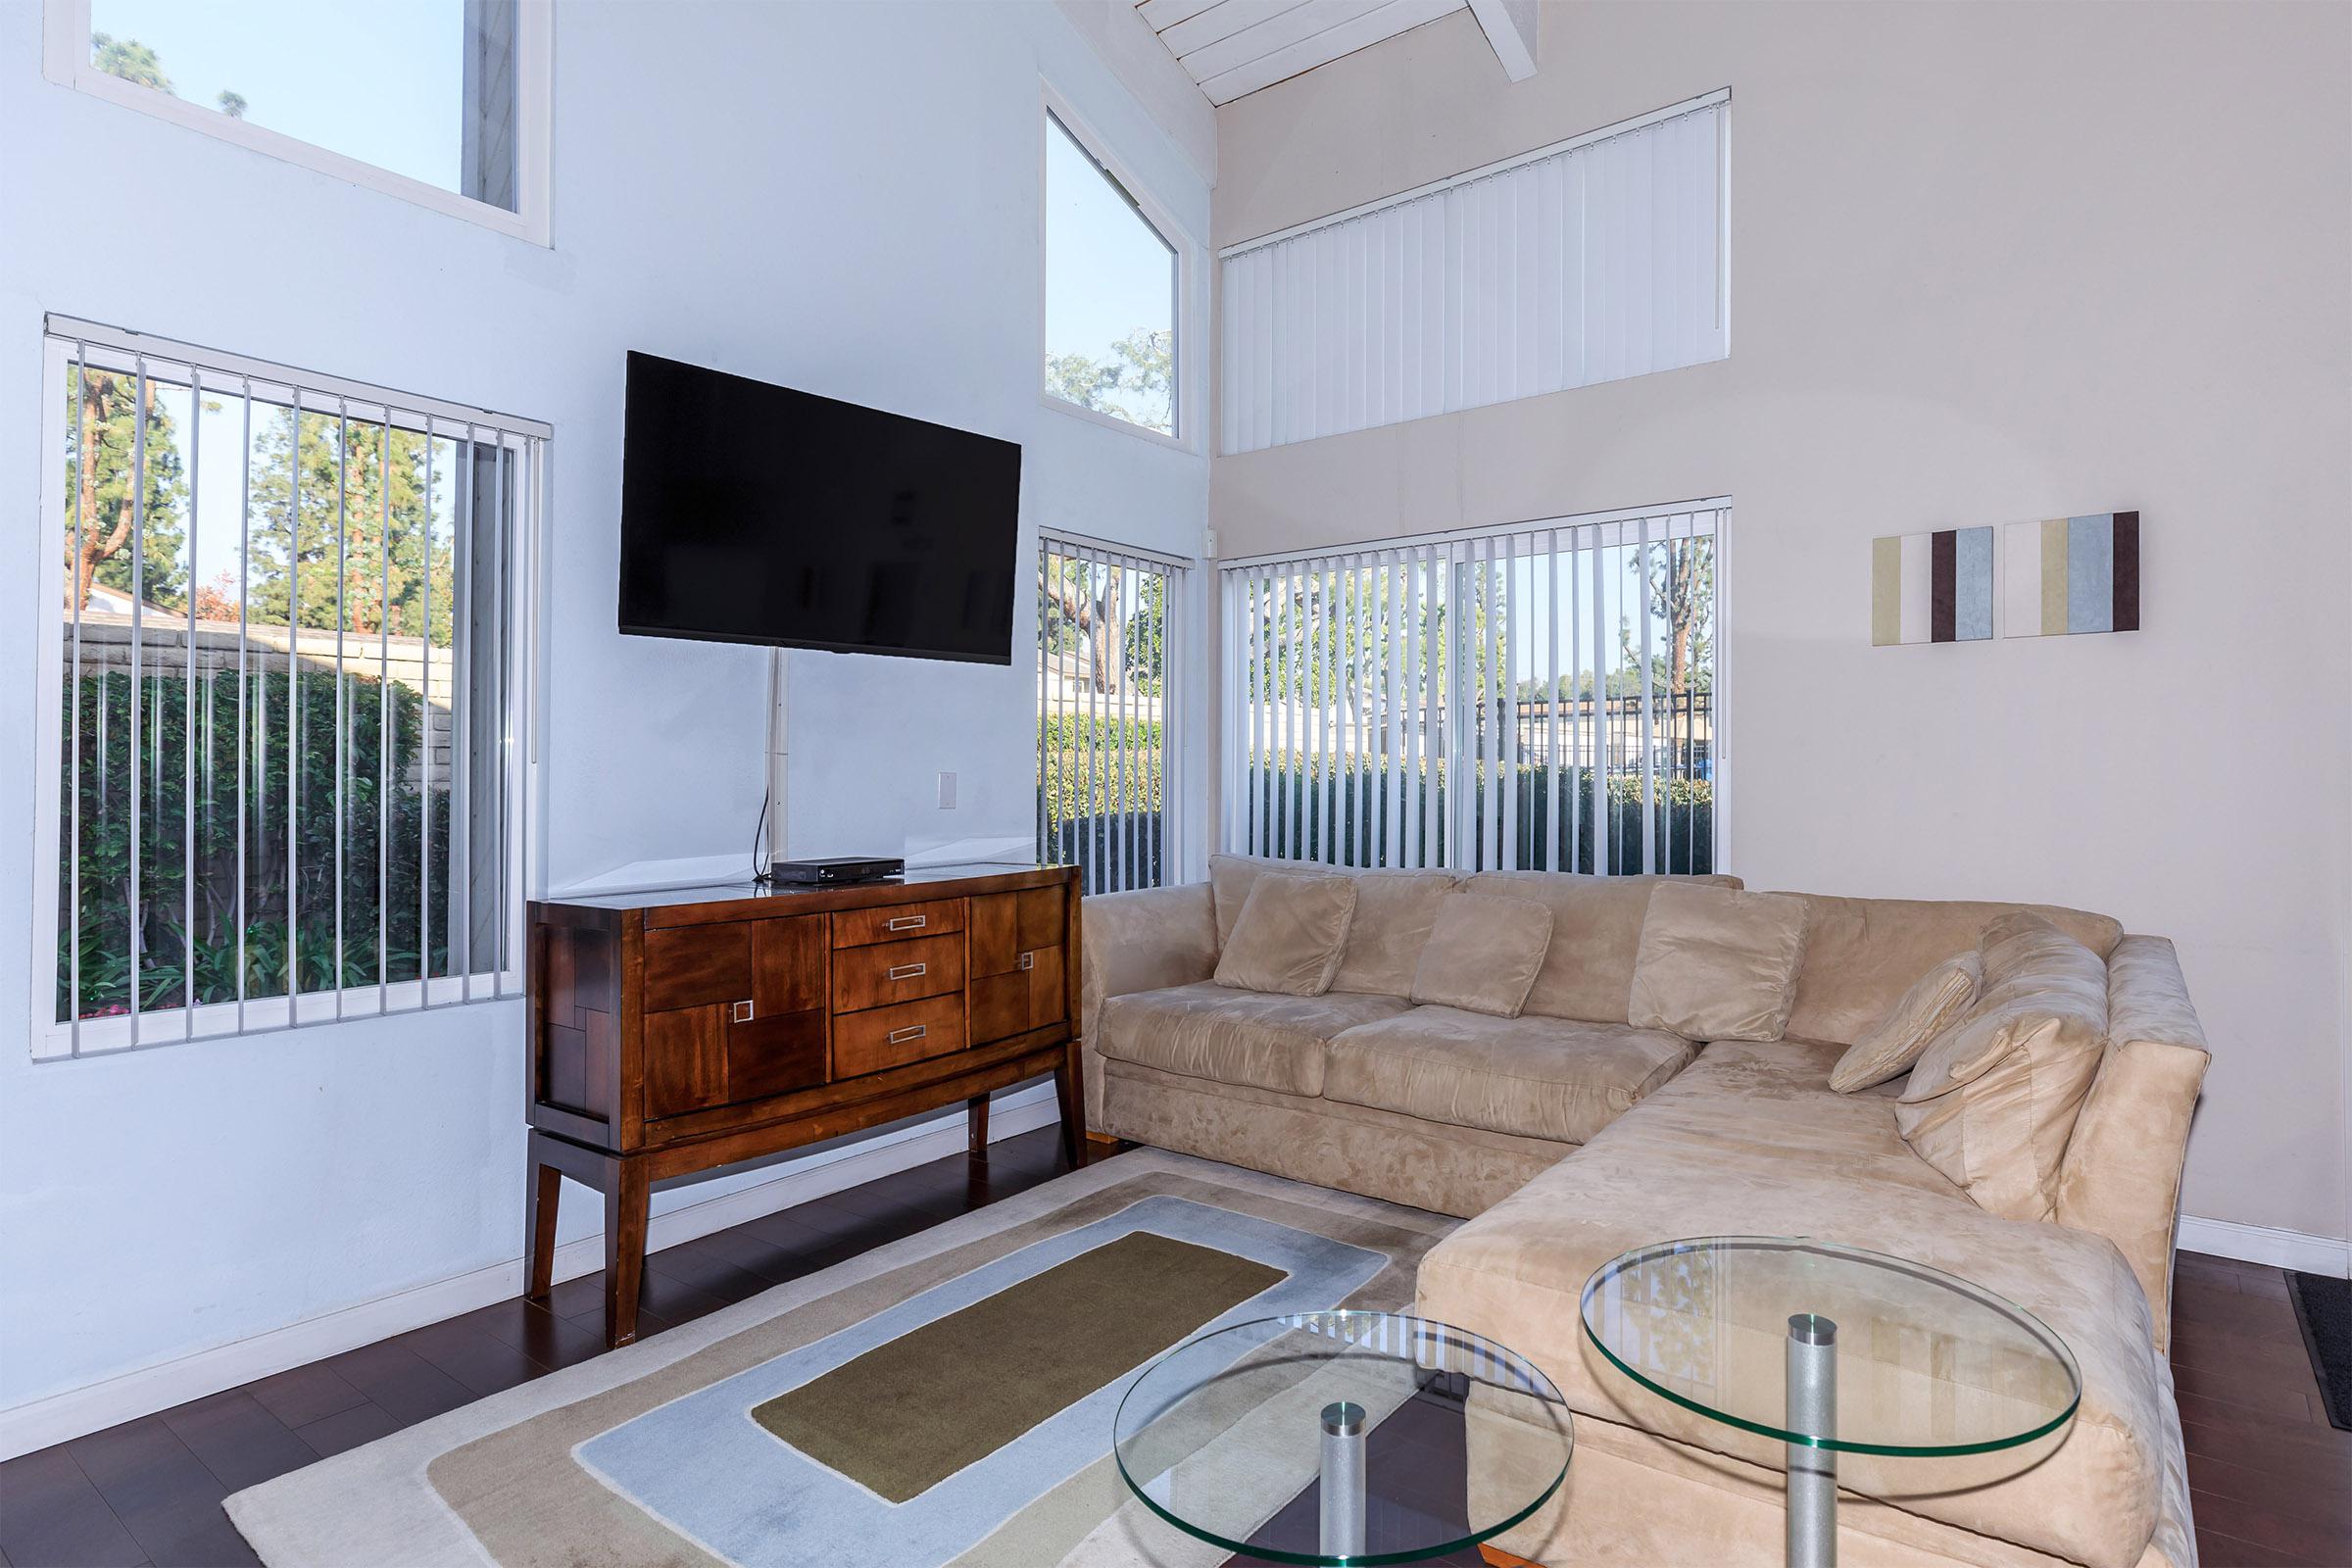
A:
828, 873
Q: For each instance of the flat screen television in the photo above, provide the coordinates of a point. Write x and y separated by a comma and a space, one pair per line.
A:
752, 513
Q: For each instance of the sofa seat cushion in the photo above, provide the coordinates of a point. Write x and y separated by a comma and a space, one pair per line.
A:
1553, 1078
1258, 1038
1750, 1140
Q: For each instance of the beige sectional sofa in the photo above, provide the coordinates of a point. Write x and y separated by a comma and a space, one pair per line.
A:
1566, 1136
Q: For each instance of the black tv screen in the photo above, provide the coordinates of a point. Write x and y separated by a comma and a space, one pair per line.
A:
752, 513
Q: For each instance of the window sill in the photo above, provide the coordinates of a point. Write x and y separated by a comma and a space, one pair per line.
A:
119, 1033
1112, 421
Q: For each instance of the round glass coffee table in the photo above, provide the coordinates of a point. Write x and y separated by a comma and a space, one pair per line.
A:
1830, 1349
1343, 1438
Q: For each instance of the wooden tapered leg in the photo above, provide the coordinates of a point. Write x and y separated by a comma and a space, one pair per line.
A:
1496, 1558
1069, 1087
625, 1196
542, 1193
976, 1114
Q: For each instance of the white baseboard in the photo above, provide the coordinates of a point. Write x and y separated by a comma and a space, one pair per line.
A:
2261, 1244
60, 1418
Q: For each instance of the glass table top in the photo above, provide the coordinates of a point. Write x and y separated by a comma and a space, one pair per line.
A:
1223, 1437
1927, 1363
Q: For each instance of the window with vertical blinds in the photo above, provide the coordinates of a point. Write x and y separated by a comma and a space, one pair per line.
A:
1107, 714
1542, 697
1593, 259
285, 674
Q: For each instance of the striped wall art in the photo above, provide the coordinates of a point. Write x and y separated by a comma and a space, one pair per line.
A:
1932, 587
2050, 578
2070, 574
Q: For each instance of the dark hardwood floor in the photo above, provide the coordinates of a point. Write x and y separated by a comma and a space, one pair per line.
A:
2273, 1479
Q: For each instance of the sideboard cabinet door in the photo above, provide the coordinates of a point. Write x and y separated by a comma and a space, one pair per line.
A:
781, 1045
1017, 962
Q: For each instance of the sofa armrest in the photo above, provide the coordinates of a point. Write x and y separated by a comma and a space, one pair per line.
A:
1140, 941
2120, 1176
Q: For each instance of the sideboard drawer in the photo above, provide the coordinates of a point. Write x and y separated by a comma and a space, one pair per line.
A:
897, 922
892, 1037
885, 972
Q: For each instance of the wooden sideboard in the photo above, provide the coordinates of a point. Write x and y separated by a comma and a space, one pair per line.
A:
677, 1032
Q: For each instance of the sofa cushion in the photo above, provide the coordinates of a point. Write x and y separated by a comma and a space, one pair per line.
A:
1861, 954
1394, 910
1230, 876
1483, 953
1750, 1140
1596, 934
1993, 1100
1258, 1038
1554, 1078
1936, 1001
1394, 914
1289, 936
1717, 964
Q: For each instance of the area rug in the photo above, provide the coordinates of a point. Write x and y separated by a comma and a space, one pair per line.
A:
945, 1399
2324, 1309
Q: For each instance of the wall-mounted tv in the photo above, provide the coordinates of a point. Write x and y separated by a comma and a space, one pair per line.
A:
752, 513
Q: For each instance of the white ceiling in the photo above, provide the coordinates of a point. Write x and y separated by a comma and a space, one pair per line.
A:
1232, 47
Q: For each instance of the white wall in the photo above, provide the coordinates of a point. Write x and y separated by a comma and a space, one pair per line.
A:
1990, 263
840, 197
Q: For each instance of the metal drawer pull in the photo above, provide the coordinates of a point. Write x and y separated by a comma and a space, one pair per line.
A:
1028, 960
912, 1032
908, 972
907, 922
743, 1012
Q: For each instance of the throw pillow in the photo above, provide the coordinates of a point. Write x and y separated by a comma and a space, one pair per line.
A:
1993, 1100
1483, 953
1717, 964
1290, 934
1935, 1002
1394, 912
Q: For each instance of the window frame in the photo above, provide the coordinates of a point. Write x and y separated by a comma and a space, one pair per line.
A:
66, 61
1188, 310
55, 1039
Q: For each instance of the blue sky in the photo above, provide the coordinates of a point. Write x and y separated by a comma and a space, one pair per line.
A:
1108, 272
379, 82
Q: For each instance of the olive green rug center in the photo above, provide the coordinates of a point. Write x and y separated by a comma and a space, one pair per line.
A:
907, 1415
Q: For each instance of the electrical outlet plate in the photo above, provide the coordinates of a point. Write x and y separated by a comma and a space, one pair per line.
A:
947, 792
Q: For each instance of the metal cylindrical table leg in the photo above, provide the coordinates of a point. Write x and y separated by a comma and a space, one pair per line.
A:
1812, 1472
1343, 1480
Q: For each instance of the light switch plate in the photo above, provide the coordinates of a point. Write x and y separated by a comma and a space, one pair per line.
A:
947, 792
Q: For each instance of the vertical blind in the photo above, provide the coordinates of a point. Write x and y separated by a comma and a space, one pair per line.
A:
1542, 697
286, 681
1598, 258
1106, 674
